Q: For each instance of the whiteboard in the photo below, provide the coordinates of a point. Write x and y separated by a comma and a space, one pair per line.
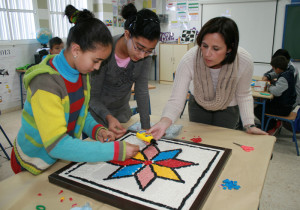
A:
255, 21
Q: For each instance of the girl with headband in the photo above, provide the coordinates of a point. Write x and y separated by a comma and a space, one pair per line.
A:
128, 64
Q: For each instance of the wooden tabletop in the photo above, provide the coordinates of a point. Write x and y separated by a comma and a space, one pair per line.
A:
26, 191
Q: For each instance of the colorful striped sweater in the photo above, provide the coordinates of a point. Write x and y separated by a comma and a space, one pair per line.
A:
43, 137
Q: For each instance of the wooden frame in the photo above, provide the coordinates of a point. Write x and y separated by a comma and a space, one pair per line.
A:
126, 200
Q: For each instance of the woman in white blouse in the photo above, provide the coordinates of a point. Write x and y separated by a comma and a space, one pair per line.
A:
218, 74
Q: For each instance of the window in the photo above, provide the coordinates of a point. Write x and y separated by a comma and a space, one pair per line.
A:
16, 20
59, 24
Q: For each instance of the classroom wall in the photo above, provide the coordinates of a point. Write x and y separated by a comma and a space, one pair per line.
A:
262, 55
23, 53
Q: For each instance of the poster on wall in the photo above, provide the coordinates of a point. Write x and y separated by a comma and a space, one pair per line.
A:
8, 77
181, 16
181, 7
121, 22
194, 16
193, 6
115, 21
171, 6
122, 2
115, 8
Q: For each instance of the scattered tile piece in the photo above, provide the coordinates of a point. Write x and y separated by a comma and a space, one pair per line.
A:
197, 140
229, 184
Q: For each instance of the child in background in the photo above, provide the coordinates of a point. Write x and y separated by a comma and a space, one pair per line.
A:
56, 45
272, 76
284, 92
56, 110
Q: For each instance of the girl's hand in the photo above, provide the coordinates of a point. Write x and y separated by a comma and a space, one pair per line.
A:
131, 150
256, 131
115, 126
159, 129
106, 136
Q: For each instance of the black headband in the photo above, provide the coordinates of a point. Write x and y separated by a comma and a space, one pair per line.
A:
132, 25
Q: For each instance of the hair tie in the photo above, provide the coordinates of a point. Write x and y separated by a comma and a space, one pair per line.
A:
74, 17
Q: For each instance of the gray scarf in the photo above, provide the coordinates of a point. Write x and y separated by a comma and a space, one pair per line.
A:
203, 86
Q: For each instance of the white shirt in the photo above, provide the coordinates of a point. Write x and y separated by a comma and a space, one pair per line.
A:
184, 82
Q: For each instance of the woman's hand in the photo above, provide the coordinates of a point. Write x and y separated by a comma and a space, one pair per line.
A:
115, 126
105, 135
131, 150
255, 130
159, 129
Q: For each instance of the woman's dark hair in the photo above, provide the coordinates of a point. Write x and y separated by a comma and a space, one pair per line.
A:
143, 23
282, 52
54, 41
228, 29
88, 31
280, 62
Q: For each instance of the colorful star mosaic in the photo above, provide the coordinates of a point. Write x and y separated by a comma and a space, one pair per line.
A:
150, 164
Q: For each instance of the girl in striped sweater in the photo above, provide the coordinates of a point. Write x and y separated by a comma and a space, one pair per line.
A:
56, 109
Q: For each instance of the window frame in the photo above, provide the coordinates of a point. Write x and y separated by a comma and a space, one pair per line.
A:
36, 23
68, 25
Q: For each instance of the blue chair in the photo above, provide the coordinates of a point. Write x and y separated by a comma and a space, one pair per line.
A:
293, 118
3, 149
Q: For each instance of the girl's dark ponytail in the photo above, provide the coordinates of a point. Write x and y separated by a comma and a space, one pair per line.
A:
88, 31
143, 23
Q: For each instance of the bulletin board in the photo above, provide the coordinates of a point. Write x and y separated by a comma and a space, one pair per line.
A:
174, 174
291, 34
255, 20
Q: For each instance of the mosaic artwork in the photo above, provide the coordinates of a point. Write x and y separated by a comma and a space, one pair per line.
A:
173, 174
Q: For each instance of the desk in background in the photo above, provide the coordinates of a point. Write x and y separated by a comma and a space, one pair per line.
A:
247, 168
261, 99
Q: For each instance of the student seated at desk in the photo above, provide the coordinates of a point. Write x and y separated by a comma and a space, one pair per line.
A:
56, 45
128, 64
284, 93
56, 110
272, 76
218, 74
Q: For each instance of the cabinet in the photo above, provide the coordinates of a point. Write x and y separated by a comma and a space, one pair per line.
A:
169, 58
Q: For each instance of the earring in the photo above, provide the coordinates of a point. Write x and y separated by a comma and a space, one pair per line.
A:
75, 56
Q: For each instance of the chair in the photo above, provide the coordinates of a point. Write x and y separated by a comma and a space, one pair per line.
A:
3, 149
293, 118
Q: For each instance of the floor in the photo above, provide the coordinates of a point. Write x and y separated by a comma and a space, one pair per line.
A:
282, 184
